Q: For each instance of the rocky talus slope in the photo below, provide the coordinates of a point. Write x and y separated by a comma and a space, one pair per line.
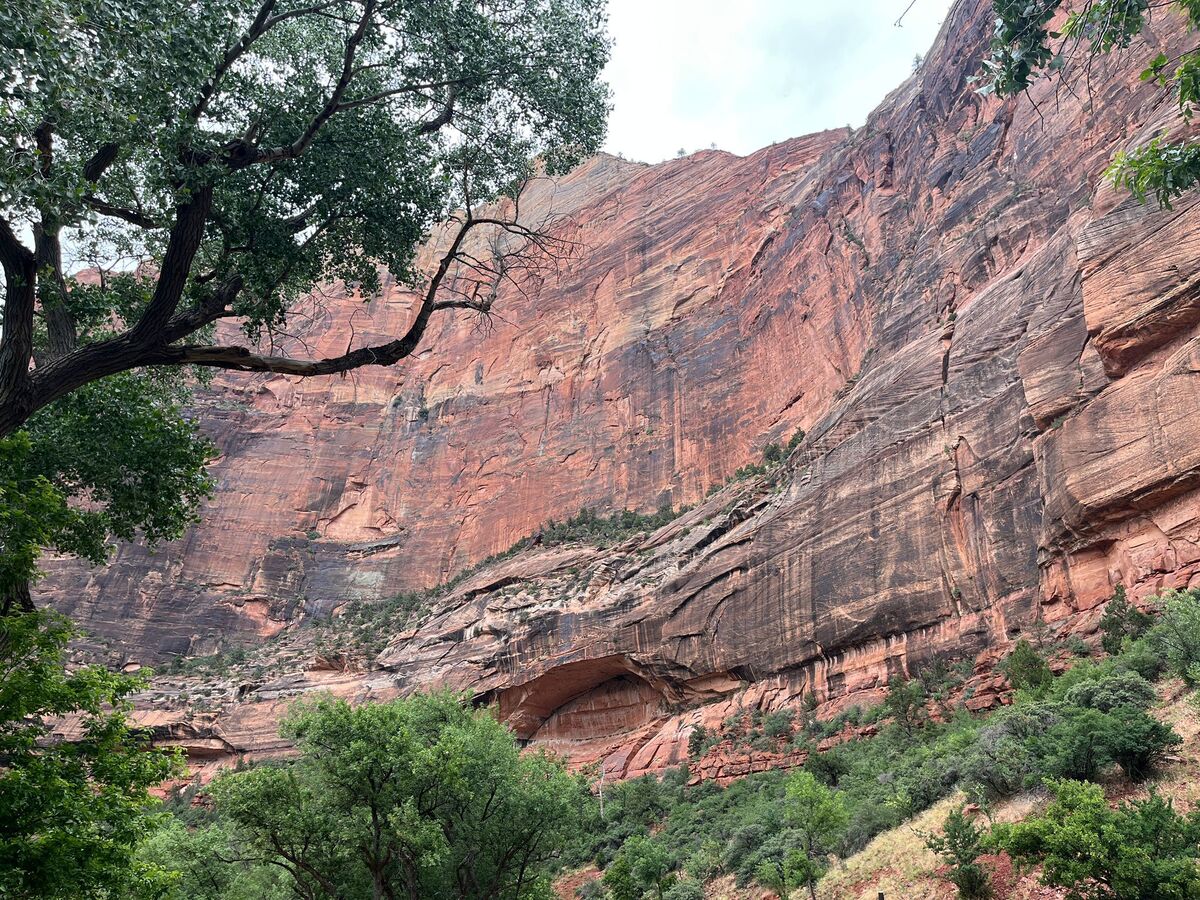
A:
995, 356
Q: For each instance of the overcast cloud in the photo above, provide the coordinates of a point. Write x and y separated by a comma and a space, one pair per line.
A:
744, 74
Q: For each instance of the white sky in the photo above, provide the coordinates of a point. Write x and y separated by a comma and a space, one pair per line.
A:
746, 73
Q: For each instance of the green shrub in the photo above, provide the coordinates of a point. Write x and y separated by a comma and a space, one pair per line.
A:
1082, 742
1139, 851
1077, 647
1177, 632
779, 723
959, 846
1025, 668
1137, 741
1142, 657
1121, 622
685, 889
589, 526
1110, 691
696, 742
905, 703
641, 866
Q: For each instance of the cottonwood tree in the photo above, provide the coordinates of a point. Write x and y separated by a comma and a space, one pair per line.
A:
1028, 45
221, 160
416, 798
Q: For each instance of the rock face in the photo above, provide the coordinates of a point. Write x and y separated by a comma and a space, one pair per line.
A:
996, 358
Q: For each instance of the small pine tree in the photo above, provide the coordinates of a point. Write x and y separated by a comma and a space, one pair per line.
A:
905, 702
1121, 620
1026, 669
959, 846
696, 741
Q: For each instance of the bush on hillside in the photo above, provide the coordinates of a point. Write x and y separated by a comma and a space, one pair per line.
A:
1142, 850
959, 847
1025, 668
1177, 632
1121, 622
1110, 691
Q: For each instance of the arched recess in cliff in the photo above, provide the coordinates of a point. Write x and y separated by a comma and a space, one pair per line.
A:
585, 700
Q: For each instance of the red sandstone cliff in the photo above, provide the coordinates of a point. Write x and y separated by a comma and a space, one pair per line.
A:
995, 355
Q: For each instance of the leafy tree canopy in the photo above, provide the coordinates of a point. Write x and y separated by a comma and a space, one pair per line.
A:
415, 798
114, 459
72, 813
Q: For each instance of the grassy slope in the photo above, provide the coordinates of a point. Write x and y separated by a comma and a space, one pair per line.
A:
898, 863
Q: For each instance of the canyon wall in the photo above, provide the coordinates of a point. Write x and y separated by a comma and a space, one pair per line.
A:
994, 354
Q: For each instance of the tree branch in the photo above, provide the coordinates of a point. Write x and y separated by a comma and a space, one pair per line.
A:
132, 216
243, 359
445, 116
300, 144
47, 251
186, 235
257, 27
100, 161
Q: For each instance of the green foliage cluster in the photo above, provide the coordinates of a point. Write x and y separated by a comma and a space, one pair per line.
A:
1122, 621
222, 661
1025, 668
72, 812
590, 527
422, 797
959, 846
1176, 633
773, 455
700, 741
1024, 48
57, 491
1142, 850
1082, 724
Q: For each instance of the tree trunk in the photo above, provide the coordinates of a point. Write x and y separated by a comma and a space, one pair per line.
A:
16, 600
